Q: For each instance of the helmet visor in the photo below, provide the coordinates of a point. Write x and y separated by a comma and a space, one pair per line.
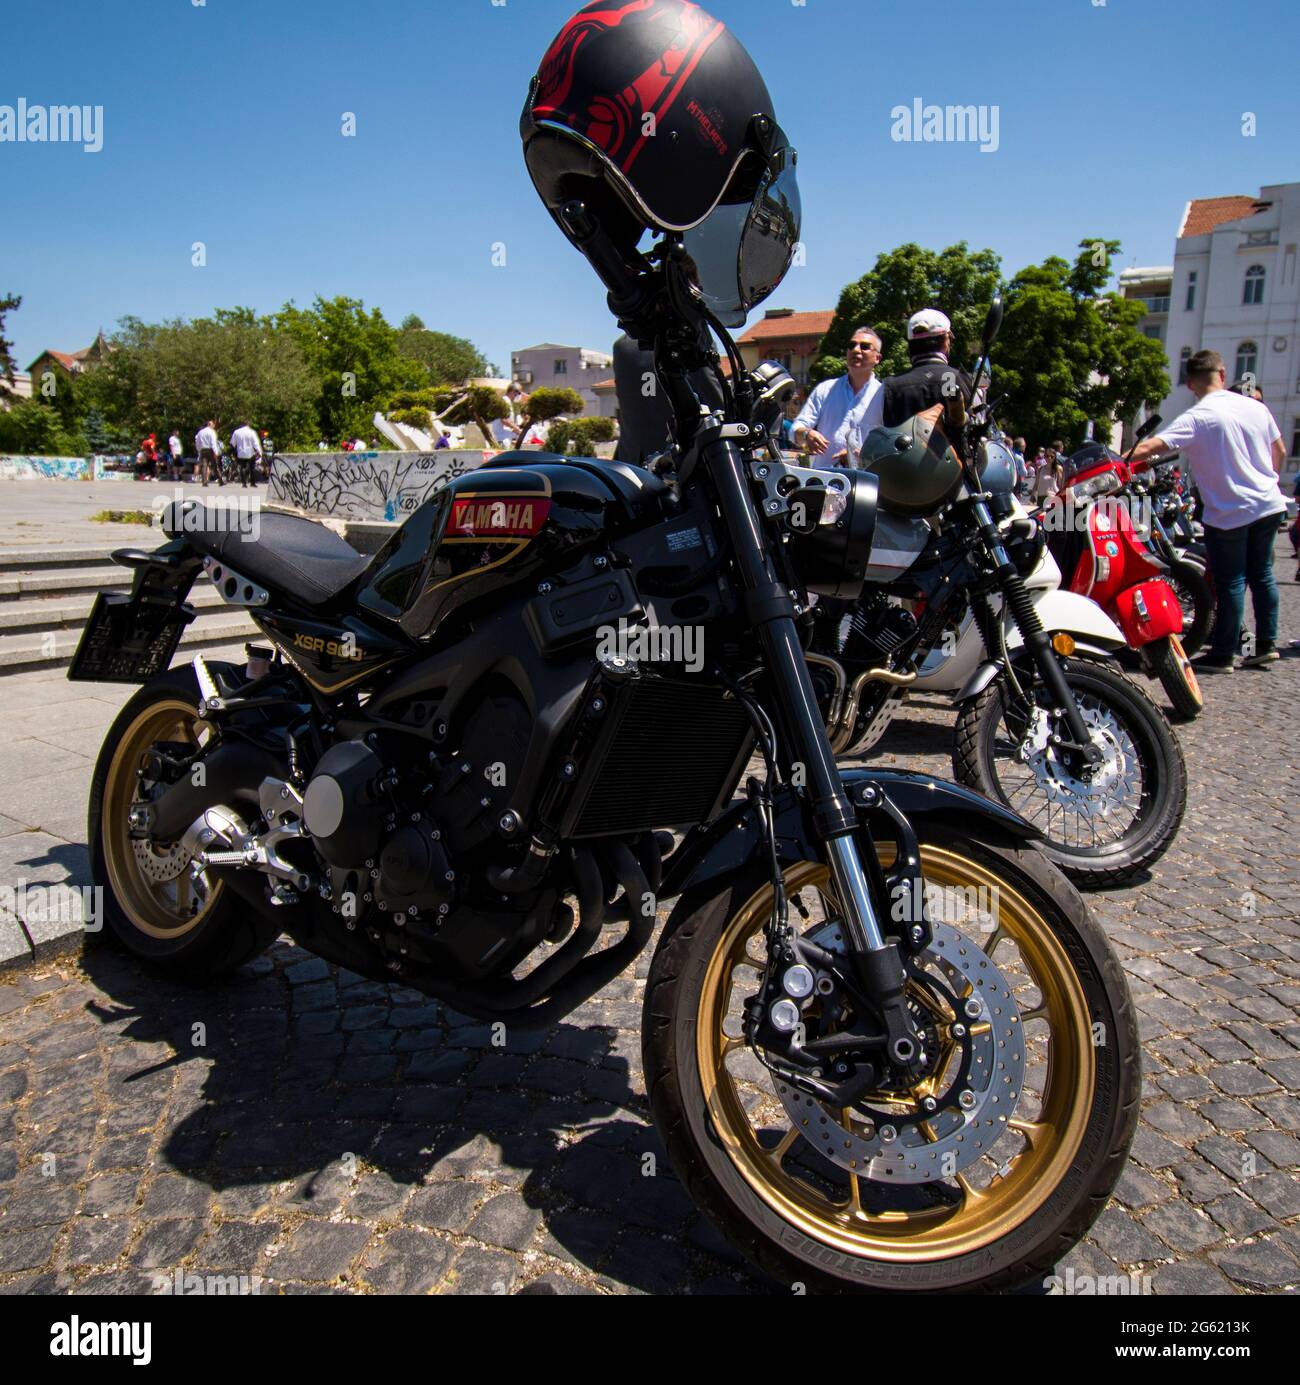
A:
742, 250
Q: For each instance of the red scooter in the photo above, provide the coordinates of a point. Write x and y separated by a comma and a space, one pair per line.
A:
1102, 549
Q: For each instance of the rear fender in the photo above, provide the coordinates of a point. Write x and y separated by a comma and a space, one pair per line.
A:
720, 849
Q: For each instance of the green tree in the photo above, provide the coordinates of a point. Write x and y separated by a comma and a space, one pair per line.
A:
355, 357
579, 435
547, 403
447, 360
957, 281
231, 367
8, 366
1070, 352
33, 428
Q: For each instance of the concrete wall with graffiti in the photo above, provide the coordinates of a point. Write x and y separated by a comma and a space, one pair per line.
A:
46, 468
366, 486
66, 469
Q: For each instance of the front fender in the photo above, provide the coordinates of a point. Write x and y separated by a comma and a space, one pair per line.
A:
718, 849
1076, 615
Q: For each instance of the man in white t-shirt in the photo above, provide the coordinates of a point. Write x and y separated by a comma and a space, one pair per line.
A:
247, 445
1235, 451
176, 451
206, 444
839, 414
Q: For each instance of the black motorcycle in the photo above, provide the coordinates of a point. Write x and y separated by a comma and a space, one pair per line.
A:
872, 1018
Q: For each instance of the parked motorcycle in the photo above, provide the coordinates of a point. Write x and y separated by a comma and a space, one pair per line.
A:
464, 759
1174, 540
971, 604
1104, 553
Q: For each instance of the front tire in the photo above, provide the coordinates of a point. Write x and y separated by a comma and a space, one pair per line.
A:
774, 1195
1168, 662
153, 907
1099, 833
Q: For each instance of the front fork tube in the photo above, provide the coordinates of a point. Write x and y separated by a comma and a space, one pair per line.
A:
1038, 645
770, 608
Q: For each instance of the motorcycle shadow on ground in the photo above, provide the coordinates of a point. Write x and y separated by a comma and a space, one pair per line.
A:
295, 1088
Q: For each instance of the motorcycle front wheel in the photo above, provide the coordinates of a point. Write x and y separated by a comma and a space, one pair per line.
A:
1168, 662
1102, 828
979, 1176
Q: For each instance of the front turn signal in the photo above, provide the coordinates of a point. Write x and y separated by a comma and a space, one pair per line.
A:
1063, 644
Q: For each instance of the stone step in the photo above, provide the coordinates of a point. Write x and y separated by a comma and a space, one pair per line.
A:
54, 613
62, 583
15, 561
27, 651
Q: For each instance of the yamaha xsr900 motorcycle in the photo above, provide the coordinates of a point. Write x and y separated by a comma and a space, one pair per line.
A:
962, 598
449, 777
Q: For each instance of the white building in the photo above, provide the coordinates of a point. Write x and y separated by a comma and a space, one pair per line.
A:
553, 366
1234, 290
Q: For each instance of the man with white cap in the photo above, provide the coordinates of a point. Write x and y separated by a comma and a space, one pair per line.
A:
839, 414
931, 379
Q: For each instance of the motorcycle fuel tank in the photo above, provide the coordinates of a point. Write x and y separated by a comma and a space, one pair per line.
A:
501, 526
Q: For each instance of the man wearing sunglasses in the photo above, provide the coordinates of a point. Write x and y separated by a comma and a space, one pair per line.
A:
839, 414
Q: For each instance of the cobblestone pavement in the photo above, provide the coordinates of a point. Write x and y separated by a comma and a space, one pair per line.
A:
327, 1134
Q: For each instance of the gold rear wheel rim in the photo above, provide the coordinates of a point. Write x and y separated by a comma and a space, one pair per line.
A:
1044, 1148
163, 910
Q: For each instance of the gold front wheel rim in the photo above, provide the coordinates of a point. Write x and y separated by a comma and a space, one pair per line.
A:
161, 909
1045, 1145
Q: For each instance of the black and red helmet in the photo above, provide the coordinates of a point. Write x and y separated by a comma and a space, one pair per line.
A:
653, 114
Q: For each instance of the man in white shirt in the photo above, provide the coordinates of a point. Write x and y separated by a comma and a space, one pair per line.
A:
175, 452
247, 445
839, 414
1235, 451
206, 444
506, 432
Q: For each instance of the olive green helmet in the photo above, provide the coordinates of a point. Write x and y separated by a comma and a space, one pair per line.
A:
919, 471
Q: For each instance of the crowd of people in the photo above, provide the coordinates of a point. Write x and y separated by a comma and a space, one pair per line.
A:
244, 461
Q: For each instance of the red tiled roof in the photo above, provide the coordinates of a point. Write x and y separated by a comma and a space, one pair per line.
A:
64, 358
1204, 214
795, 325
604, 384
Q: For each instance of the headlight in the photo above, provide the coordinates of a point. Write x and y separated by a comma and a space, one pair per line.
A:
830, 556
1105, 484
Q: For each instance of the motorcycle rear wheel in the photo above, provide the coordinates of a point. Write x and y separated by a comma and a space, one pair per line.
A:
153, 907
1196, 596
1003, 1220
992, 752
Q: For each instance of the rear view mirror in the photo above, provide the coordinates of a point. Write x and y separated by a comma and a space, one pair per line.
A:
1149, 426
992, 325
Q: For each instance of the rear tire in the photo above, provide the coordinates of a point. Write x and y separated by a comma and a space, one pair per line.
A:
696, 1119
1193, 587
150, 907
1168, 662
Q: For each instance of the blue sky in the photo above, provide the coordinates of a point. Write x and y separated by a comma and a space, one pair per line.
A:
222, 124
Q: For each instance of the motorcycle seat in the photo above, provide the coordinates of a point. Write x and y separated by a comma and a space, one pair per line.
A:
282, 552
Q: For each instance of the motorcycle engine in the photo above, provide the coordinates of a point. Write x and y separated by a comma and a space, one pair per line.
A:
391, 820
874, 630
